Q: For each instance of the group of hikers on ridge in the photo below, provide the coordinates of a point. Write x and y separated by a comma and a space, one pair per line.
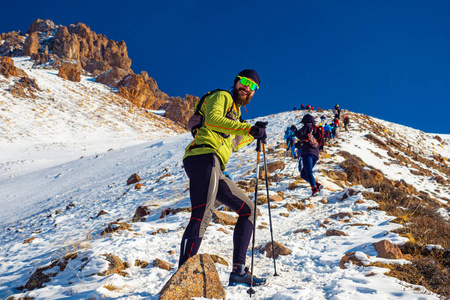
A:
307, 107
218, 130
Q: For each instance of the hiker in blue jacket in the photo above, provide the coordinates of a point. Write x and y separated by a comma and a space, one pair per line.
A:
309, 153
327, 129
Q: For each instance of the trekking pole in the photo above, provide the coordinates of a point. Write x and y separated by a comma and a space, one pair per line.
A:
270, 214
251, 291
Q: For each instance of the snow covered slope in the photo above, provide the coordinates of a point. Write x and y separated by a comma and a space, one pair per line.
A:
69, 120
53, 206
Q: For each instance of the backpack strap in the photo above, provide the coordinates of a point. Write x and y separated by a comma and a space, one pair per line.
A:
199, 117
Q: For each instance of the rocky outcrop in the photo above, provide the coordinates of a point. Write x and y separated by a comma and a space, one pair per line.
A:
197, 277
70, 72
41, 26
134, 88
110, 77
106, 59
95, 52
7, 68
180, 110
31, 45
12, 43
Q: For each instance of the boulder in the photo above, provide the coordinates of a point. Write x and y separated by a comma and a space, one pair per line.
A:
335, 232
280, 249
197, 277
275, 165
223, 218
70, 72
159, 263
359, 259
140, 213
388, 250
133, 179
342, 215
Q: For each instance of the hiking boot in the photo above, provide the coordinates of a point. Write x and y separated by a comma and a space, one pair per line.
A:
319, 186
315, 191
244, 278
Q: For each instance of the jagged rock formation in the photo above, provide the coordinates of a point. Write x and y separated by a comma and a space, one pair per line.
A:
107, 60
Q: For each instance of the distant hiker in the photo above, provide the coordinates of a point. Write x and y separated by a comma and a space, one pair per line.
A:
327, 129
295, 107
337, 111
346, 121
302, 107
334, 129
205, 159
311, 140
323, 131
289, 138
308, 107
322, 119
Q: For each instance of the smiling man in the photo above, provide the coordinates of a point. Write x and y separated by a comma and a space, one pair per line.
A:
221, 132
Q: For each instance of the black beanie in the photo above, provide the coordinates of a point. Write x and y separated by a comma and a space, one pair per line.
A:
250, 74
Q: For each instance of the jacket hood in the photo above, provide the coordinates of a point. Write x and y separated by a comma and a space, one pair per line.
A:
308, 119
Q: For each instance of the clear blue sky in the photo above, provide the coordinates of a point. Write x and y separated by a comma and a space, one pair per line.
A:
386, 58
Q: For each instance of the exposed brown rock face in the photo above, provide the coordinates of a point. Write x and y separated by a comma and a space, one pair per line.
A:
12, 44
134, 88
7, 67
31, 45
110, 77
77, 44
180, 110
197, 277
70, 72
41, 26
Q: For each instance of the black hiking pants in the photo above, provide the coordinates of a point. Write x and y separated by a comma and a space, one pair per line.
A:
207, 184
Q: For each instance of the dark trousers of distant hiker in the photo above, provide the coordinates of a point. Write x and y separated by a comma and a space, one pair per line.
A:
309, 161
207, 184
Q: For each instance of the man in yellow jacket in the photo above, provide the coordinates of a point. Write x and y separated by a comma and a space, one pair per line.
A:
204, 162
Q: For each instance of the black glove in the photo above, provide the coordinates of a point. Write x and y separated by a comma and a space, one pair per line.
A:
299, 144
259, 133
294, 128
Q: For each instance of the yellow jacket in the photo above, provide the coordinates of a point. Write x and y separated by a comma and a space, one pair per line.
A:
222, 131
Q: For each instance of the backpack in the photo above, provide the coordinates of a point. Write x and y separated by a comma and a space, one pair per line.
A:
315, 137
197, 120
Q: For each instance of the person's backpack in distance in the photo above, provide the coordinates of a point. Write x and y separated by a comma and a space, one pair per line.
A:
315, 137
197, 120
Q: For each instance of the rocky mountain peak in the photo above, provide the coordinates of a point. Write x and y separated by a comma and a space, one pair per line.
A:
54, 46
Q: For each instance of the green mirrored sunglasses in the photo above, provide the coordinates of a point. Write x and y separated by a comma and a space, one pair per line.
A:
248, 82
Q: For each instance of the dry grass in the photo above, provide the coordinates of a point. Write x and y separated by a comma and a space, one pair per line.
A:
112, 287
421, 225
